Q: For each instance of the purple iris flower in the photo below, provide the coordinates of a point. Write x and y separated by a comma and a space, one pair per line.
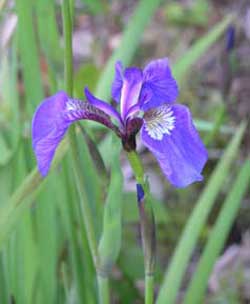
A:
146, 98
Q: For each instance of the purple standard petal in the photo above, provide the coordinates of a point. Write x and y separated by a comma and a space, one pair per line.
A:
159, 86
131, 88
102, 105
168, 132
51, 121
117, 82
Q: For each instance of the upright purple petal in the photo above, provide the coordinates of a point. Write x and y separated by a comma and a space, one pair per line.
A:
131, 88
159, 86
168, 132
117, 82
102, 105
51, 121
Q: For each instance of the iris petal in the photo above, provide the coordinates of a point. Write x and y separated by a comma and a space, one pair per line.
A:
131, 88
159, 86
117, 82
51, 121
176, 146
47, 131
104, 106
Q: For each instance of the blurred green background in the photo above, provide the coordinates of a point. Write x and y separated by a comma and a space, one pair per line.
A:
203, 240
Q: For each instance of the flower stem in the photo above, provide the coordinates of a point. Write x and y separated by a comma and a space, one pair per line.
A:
147, 225
149, 289
103, 284
136, 166
85, 204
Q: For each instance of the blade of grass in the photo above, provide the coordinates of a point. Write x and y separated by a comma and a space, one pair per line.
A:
80, 260
26, 262
183, 251
207, 126
49, 41
218, 120
3, 275
46, 235
8, 75
110, 242
29, 55
48, 32
218, 236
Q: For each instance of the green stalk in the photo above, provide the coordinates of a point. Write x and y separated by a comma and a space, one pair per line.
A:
137, 167
85, 205
103, 287
147, 225
149, 289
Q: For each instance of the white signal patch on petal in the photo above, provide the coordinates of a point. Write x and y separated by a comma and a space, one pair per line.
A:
74, 109
74, 105
159, 121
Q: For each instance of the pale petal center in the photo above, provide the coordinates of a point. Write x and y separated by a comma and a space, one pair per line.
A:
74, 105
159, 121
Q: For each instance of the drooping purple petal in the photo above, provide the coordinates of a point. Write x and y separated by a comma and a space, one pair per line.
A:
51, 121
117, 82
46, 133
131, 88
159, 86
168, 132
102, 105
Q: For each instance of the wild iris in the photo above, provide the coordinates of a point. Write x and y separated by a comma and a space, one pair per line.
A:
146, 98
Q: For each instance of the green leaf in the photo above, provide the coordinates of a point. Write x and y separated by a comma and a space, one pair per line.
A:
80, 260
48, 32
49, 41
9, 107
110, 242
196, 221
218, 236
29, 55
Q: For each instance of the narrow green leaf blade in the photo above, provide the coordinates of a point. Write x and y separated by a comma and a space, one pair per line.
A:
29, 55
218, 236
183, 251
110, 243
